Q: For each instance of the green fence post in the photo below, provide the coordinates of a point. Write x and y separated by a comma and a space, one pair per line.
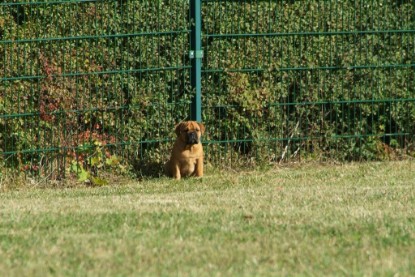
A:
196, 55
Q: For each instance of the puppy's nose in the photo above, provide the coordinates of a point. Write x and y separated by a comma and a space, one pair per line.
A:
192, 138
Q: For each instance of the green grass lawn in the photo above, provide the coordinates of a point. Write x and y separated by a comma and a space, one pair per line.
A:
310, 220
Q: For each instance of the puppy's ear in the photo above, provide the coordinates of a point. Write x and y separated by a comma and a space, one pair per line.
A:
202, 128
177, 128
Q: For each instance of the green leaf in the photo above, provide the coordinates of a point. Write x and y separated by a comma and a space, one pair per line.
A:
95, 161
75, 167
83, 176
98, 181
113, 160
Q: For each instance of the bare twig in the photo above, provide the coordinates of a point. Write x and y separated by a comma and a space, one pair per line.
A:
288, 143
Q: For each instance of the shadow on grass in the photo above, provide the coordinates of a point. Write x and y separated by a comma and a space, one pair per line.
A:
148, 169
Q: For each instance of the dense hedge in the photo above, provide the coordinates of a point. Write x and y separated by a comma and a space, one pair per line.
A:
323, 79
83, 72
331, 80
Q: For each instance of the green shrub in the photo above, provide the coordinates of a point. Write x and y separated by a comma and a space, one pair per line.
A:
337, 80
323, 79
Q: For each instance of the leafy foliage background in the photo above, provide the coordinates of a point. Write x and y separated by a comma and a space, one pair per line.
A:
309, 79
281, 80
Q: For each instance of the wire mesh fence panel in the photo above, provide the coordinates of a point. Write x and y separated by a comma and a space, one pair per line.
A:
308, 79
87, 84
84, 83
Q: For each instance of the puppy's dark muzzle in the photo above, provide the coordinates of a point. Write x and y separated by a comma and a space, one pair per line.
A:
192, 138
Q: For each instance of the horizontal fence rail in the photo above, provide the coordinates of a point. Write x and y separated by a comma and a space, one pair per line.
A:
91, 84
88, 85
308, 79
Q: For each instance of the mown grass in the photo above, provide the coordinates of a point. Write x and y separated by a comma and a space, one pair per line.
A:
312, 220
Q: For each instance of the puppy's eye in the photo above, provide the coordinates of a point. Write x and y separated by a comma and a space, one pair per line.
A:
197, 129
186, 130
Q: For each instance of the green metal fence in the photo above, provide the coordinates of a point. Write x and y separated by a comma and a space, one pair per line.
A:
308, 79
83, 82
